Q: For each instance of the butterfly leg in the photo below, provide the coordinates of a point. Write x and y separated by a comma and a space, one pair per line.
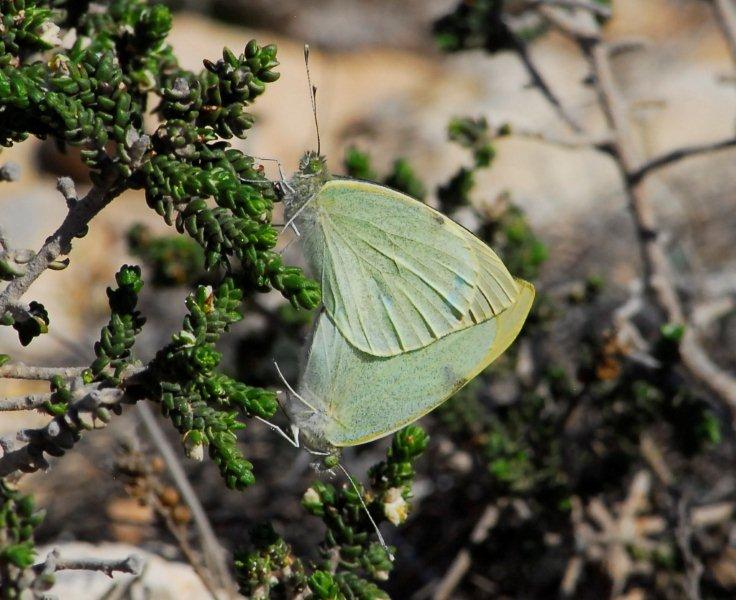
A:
367, 512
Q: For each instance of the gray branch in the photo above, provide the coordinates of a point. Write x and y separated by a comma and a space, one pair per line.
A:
580, 26
680, 154
132, 564
726, 17
60, 242
89, 409
29, 402
540, 82
214, 555
21, 371
602, 143
592, 7
657, 272
10, 171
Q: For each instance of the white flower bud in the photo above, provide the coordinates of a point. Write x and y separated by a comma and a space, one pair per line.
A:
395, 507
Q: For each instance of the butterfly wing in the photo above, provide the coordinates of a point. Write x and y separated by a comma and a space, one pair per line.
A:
397, 275
367, 397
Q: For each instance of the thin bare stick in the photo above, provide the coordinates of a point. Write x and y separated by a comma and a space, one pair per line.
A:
539, 81
693, 565
60, 242
602, 143
679, 154
21, 371
657, 272
86, 411
726, 17
589, 5
580, 26
213, 552
700, 365
130, 564
205, 575
29, 402
462, 562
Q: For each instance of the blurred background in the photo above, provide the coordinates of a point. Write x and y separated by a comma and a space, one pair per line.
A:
549, 476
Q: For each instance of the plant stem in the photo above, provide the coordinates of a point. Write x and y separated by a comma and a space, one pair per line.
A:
60, 242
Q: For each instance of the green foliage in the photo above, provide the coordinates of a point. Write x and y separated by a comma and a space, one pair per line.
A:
95, 95
271, 570
35, 323
118, 336
358, 165
403, 179
474, 135
18, 520
202, 403
352, 560
477, 24
516, 242
62, 396
485, 24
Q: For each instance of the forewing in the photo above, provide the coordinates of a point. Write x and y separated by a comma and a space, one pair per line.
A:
496, 289
396, 275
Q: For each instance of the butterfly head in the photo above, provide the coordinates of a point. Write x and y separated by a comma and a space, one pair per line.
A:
310, 178
312, 164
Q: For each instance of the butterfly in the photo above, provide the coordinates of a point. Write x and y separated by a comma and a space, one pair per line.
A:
396, 275
414, 306
347, 397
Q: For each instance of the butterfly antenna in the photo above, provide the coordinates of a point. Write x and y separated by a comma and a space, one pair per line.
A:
294, 442
291, 389
312, 96
367, 512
